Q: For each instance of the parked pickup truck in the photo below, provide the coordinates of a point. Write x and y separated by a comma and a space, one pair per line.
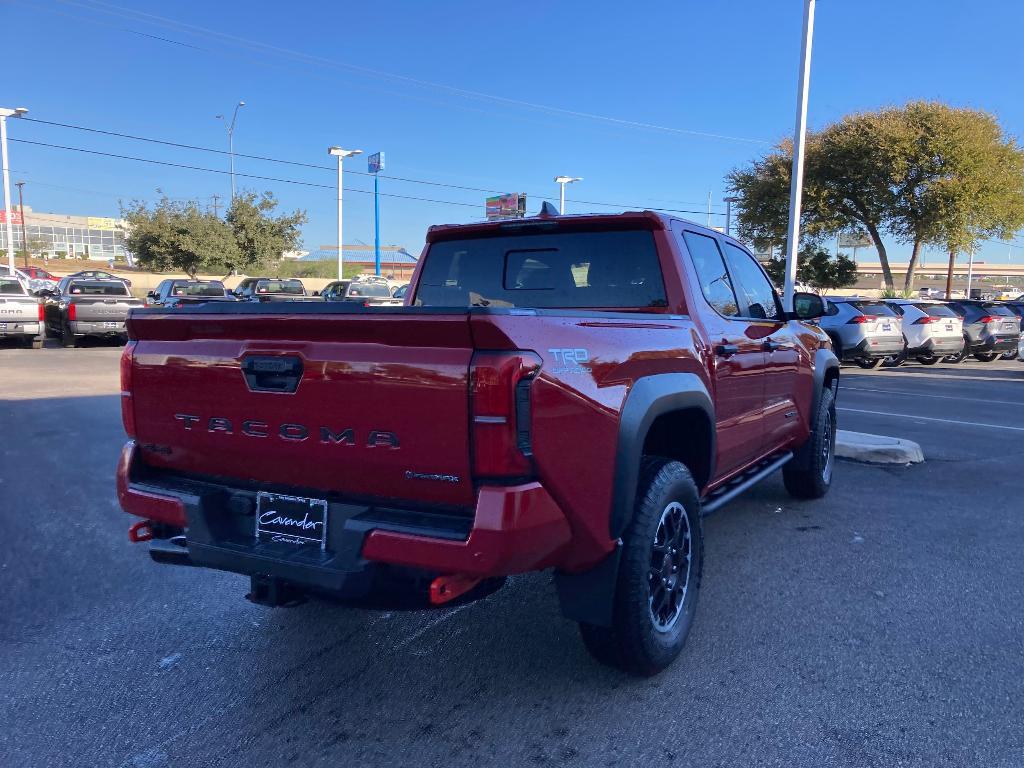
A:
21, 314
174, 293
88, 307
270, 289
566, 393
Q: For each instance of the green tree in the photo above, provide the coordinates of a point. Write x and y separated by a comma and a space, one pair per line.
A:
260, 236
817, 267
178, 236
923, 174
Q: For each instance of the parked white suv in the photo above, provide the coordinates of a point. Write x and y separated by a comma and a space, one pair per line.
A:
931, 330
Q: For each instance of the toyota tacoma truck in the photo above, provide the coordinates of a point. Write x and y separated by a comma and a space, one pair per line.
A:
21, 315
81, 307
568, 393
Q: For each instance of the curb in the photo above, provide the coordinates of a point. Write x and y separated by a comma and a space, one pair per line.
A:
877, 449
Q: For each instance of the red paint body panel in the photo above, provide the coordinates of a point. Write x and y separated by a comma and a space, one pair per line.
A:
163, 509
406, 375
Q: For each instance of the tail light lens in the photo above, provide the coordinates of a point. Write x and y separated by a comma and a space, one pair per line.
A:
500, 384
989, 319
42, 311
127, 407
859, 319
928, 320
72, 312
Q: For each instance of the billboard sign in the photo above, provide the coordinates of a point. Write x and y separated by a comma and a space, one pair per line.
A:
510, 206
375, 162
100, 222
854, 240
15, 217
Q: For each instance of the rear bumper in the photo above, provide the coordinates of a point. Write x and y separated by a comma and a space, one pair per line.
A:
9, 328
872, 348
513, 529
96, 328
1000, 343
941, 346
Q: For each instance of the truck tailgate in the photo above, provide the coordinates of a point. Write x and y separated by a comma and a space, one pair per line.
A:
364, 405
18, 309
109, 309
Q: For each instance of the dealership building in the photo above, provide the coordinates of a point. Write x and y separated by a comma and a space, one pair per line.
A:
60, 235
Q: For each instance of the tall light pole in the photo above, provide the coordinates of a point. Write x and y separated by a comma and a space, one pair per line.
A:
4, 114
799, 136
21, 212
728, 213
375, 164
341, 154
231, 143
561, 181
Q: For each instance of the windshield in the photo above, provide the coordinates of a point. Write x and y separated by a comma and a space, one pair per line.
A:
10, 287
595, 270
98, 288
369, 289
211, 288
290, 287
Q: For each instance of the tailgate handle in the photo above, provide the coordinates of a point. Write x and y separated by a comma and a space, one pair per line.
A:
272, 373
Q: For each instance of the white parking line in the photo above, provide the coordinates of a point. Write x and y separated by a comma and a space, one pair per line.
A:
929, 418
939, 397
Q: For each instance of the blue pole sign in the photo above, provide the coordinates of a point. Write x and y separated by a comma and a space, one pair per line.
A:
375, 164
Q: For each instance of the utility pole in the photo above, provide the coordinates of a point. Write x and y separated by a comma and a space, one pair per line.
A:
949, 274
375, 164
9, 242
215, 203
561, 181
799, 140
728, 214
231, 143
970, 271
709, 210
21, 209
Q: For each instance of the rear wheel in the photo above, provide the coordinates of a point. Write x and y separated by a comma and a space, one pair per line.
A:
928, 359
959, 357
986, 357
659, 574
1011, 355
895, 361
67, 338
808, 475
869, 363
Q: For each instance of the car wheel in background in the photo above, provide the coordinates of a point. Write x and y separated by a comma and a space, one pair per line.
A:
869, 364
808, 475
928, 359
986, 357
895, 361
1011, 355
958, 357
659, 574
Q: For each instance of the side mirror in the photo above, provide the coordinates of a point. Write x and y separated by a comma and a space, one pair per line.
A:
808, 306
151, 294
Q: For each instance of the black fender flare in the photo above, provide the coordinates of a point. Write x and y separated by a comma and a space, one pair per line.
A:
824, 362
589, 596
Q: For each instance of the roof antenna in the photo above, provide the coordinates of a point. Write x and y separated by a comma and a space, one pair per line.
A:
547, 211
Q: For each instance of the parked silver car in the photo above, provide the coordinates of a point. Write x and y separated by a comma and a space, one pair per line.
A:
863, 331
931, 330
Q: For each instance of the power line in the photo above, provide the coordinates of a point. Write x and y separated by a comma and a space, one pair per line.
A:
264, 158
165, 22
298, 182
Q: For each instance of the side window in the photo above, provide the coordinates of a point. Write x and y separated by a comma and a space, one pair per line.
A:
831, 308
762, 301
714, 277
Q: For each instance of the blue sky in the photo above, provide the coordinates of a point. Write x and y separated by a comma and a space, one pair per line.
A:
487, 95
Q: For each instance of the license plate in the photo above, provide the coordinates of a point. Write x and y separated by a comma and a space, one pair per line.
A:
949, 327
886, 326
111, 325
291, 520
3, 326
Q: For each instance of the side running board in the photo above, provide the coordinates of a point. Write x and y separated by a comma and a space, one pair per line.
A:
722, 496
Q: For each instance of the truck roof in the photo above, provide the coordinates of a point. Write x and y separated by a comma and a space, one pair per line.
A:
652, 220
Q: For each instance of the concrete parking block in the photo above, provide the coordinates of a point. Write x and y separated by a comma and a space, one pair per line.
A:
877, 449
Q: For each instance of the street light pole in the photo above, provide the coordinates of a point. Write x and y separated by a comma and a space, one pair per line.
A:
341, 154
21, 211
799, 136
561, 181
4, 114
728, 214
231, 143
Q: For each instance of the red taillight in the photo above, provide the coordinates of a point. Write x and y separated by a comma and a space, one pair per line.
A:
928, 320
42, 312
989, 319
72, 312
127, 409
858, 319
500, 409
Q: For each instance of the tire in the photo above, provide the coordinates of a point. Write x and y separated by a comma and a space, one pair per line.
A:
958, 357
869, 364
896, 360
1011, 355
650, 624
67, 338
986, 357
928, 359
808, 475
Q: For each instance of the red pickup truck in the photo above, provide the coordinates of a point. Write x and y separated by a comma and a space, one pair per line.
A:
559, 392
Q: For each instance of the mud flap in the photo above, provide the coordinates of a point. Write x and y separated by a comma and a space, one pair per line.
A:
589, 596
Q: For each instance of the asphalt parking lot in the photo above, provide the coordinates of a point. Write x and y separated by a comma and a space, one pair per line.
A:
881, 626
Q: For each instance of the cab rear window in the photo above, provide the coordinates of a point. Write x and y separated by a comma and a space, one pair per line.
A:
594, 270
290, 287
99, 288
11, 287
212, 288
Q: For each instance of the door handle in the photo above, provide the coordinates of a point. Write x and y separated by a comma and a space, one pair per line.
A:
726, 350
771, 346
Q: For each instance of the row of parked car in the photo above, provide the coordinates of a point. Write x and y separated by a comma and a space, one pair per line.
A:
35, 304
873, 332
